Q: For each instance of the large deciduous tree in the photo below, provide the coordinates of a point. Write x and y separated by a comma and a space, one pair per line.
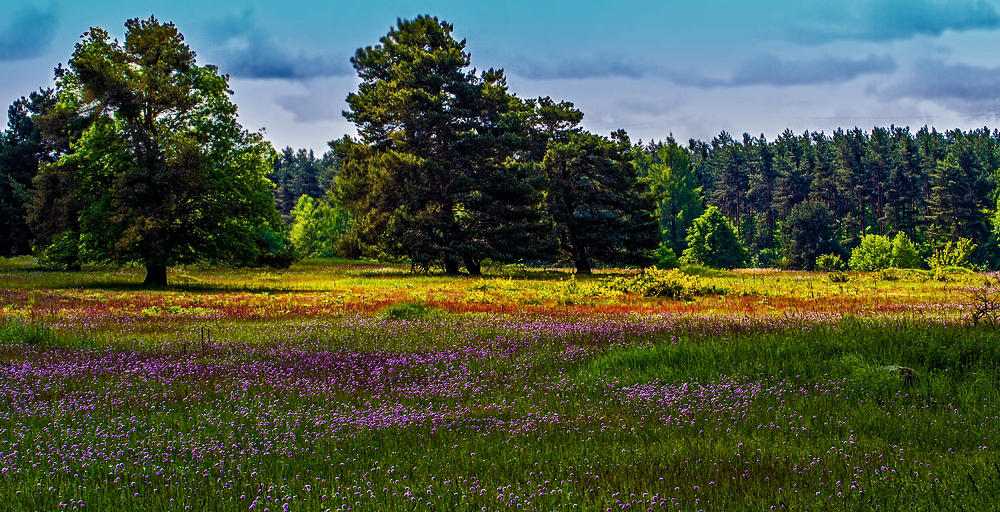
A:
163, 174
434, 175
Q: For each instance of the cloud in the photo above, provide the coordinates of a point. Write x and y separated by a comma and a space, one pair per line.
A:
887, 20
27, 34
245, 49
971, 89
761, 70
581, 67
772, 70
324, 100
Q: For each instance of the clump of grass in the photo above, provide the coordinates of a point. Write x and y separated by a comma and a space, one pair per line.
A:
18, 332
838, 277
408, 311
702, 271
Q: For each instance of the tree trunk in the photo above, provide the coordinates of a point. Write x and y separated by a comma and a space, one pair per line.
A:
451, 266
473, 266
156, 276
579, 255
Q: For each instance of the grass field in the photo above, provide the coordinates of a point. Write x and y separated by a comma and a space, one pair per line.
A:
358, 386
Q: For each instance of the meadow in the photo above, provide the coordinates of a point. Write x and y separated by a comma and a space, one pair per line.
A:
359, 386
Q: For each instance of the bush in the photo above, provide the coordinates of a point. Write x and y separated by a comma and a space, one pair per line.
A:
952, 254
838, 277
665, 257
874, 253
665, 284
712, 242
830, 262
904, 254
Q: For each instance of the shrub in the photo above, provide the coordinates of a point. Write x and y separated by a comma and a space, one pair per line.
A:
952, 254
712, 242
830, 262
904, 254
838, 277
665, 284
874, 253
665, 257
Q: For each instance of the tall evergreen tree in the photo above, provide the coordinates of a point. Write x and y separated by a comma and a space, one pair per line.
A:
601, 210
674, 187
22, 149
959, 191
809, 233
433, 177
904, 201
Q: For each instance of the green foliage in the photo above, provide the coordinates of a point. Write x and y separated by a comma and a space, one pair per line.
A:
712, 241
830, 262
904, 254
164, 175
434, 175
675, 189
64, 251
601, 209
959, 187
767, 258
952, 254
664, 284
22, 149
838, 277
809, 232
408, 311
665, 257
317, 227
300, 173
874, 253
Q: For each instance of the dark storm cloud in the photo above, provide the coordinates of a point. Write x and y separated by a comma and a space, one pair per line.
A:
245, 49
27, 34
888, 20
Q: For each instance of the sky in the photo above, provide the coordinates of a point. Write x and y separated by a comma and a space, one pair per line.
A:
690, 69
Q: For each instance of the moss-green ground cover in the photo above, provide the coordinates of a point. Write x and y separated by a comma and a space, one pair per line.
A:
349, 386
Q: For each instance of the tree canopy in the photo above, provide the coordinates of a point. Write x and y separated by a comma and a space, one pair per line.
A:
163, 174
22, 148
711, 241
433, 176
600, 207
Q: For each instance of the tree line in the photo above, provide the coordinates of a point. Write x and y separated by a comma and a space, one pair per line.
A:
931, 186
136, 157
